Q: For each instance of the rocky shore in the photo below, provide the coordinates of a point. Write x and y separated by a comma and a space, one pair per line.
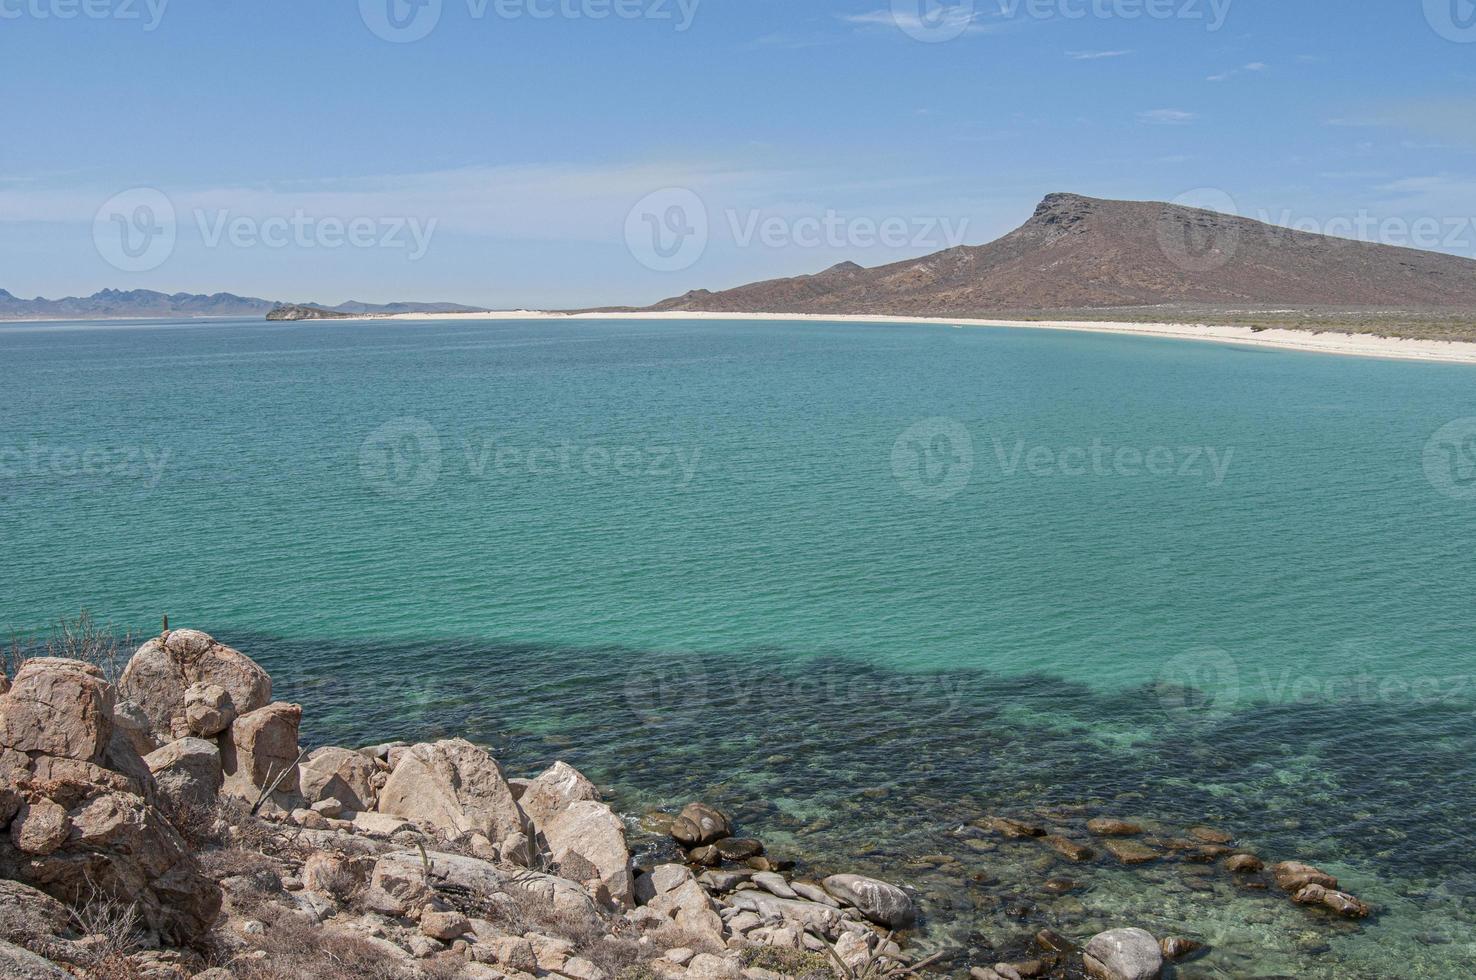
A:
167, 824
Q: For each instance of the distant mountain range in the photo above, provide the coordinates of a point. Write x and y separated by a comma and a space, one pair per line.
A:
1079, 253
146, 303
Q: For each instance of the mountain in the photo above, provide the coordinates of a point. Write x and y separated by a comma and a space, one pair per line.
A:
1080, 254
146, 303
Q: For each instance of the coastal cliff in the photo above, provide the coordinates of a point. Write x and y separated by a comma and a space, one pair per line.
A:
166, 823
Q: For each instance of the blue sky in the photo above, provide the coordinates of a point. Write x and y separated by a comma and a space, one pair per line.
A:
497, 160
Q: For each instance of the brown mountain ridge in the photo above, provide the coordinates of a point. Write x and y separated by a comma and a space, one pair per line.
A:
1140, 260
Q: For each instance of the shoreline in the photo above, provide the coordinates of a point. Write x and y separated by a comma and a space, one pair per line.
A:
429, 857
1348, 345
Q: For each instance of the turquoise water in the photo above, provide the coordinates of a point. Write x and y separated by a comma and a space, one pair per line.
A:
707, 558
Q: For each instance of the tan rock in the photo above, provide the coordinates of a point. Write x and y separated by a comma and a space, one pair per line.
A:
340, 774
1246, 864
187, 772
1131, 851
1069, 849
1335, 901
121, 845
131, 723
513, 952
591, 832
58, 707
699, 825
40, 827
18, 963
444, 926
1292, 876
261, 745
553, 791
454, 787
164, 668
1110, 827
676, 894
208, 709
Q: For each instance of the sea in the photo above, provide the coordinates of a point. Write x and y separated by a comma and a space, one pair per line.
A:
863, 585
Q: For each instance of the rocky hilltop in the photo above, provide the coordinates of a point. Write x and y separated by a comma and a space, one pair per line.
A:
296, 311
168, 825
1079, 253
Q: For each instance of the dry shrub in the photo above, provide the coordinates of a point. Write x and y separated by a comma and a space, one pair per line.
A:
612, 946
791, 962
295, 950
103, 646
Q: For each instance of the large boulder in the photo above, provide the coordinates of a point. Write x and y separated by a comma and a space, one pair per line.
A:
261, 746
119, 847
453, 787
339, 774
553, 791
187, 773
17, 963
1123, 954
58, 707
671, 890
587, 840
699, 825
166, 667
886, 905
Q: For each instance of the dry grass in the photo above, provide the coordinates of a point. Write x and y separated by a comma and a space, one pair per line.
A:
295, 950
790, 962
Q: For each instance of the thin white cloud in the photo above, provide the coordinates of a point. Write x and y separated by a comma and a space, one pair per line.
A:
1096, 55
1167, 117
955, 21
1225, 76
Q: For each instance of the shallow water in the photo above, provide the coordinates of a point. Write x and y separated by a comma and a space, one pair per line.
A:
724, 575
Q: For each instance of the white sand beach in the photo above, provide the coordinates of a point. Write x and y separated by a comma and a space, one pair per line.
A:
1355, 345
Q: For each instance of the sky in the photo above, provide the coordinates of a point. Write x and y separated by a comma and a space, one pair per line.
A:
570, 153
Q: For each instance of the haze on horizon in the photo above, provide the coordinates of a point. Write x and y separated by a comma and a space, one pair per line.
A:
565, 153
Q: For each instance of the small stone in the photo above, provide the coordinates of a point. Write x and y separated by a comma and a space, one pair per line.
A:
738, 848
1011, 828
1109, 827
1069, 849
1339, 902
1244, 864
1131, 851
1177, 947
331, 807
681, 956
699, 824
1060, 886
1210, 835
444, 926
1293, 876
